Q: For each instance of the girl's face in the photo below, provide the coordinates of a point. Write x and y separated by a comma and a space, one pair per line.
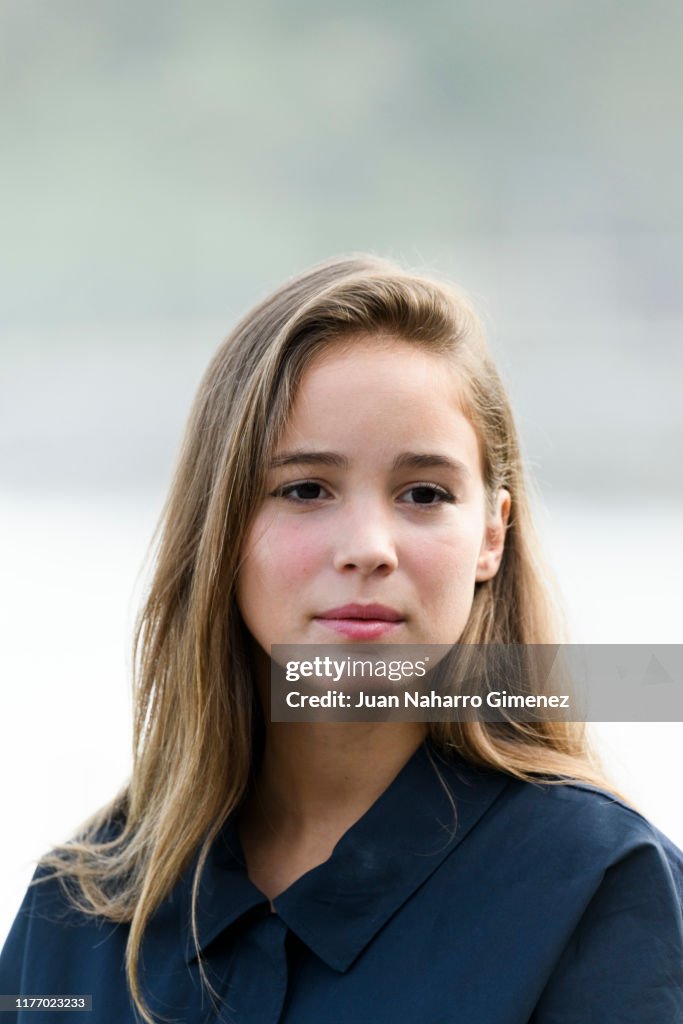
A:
374, 526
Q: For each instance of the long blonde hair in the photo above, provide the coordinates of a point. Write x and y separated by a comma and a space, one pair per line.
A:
195, 705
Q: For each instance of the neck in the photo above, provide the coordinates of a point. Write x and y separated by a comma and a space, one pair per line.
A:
327, 775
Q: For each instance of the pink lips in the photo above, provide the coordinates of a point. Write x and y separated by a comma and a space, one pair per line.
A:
361, 621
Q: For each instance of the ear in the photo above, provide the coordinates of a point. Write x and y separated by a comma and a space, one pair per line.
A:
493, 545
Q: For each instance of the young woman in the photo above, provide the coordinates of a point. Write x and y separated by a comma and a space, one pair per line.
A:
350, 472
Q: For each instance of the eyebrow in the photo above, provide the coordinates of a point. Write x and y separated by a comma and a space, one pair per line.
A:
406, 460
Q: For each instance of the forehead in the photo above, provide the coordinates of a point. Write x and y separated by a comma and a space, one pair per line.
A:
366, 367
381, 391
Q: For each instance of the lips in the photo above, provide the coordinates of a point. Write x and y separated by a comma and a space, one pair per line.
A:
374, 612
361, 621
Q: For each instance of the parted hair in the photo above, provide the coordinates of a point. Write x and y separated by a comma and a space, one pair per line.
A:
196, 706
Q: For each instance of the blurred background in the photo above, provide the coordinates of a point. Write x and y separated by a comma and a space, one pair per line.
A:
166, 164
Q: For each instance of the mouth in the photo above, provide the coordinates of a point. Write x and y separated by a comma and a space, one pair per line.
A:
361, 621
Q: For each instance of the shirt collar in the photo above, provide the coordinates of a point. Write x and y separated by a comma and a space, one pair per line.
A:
337, 908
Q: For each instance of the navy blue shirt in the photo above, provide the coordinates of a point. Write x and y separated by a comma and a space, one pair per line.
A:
527, 904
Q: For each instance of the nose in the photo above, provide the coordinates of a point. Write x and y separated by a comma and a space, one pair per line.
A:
364, 541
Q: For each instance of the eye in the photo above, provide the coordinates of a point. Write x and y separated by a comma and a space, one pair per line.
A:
427, 494
302, 492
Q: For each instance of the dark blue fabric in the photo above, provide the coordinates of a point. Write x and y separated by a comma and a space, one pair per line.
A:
532, 904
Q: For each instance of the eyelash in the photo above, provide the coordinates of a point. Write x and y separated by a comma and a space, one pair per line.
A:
287, 491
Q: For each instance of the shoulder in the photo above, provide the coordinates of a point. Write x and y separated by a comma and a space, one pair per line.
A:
620, 885
576, 812
588, 811
50, 934
563, 832
569, 812
585, 826
48, 937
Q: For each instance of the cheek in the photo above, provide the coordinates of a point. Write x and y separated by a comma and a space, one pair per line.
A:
446, 565
279, 555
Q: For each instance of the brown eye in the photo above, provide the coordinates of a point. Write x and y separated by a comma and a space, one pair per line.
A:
427, 494
306, 490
